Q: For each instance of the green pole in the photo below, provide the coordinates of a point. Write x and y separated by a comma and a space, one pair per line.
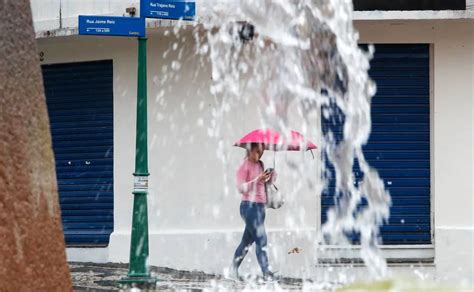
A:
139, 273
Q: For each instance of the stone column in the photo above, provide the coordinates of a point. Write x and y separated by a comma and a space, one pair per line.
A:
32, 253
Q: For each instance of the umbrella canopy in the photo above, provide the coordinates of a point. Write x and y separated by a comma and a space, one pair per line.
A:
274, 140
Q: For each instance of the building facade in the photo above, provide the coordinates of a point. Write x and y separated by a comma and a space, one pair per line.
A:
422, 144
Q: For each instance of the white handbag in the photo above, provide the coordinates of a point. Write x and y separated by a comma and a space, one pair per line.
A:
274, 196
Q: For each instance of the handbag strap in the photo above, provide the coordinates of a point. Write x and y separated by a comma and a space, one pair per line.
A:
265, 184
275, 187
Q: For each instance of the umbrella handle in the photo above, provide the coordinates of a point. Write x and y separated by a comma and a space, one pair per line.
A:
312, 154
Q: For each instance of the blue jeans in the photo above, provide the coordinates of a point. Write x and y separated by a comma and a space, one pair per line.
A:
253, 215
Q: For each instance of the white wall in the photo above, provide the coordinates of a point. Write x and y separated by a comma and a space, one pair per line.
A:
51, 16
193, 225
45, 14
59, 17
190, 216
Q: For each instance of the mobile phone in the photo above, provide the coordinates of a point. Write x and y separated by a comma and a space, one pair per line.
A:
269, 170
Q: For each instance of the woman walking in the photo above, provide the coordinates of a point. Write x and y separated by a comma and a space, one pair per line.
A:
251, 179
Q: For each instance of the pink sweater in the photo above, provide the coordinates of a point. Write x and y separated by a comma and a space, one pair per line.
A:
247, 184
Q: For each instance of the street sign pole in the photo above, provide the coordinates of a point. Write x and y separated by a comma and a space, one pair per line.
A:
138, 272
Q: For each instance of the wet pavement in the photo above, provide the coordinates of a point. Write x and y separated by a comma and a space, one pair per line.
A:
104, 277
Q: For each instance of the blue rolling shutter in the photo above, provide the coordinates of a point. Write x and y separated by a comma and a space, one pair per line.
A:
80, 105
399, 145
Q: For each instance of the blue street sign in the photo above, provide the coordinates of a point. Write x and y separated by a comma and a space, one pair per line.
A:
112, 25
168, 9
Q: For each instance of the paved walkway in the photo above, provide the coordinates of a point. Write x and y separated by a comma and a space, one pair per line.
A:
104, 277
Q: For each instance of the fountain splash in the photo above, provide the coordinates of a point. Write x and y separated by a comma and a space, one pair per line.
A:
304, 54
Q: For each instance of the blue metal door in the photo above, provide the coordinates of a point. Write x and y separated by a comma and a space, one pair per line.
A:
399, 145
80, 105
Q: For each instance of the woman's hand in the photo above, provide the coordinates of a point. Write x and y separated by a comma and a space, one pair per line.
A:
264, 177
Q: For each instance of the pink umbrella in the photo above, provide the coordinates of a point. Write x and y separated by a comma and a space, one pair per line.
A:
273, 140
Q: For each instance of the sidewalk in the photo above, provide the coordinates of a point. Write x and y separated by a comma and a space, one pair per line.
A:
104, 277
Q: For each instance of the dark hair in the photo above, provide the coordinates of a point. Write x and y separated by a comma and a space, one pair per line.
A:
252, 146
255, 145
